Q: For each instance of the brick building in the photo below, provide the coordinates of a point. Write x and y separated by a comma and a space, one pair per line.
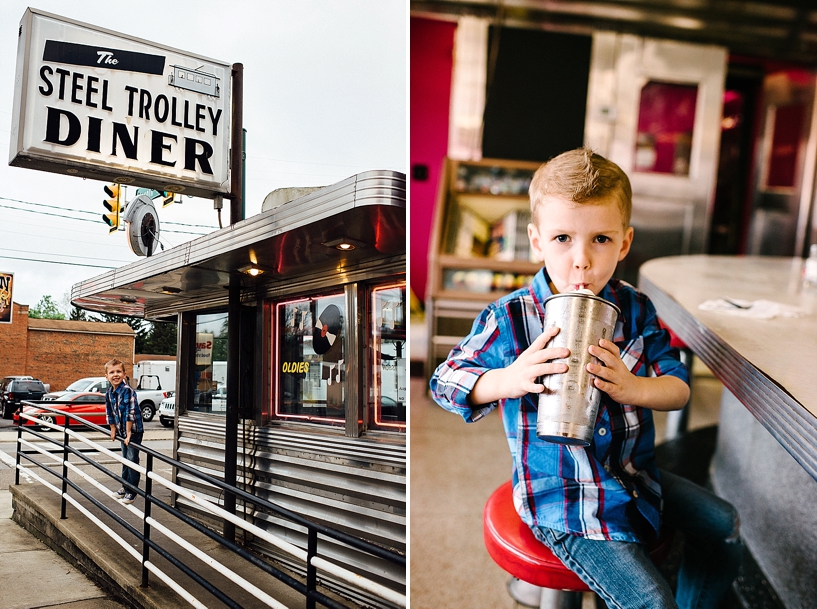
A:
58, 352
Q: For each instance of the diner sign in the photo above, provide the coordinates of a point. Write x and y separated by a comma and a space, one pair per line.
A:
6, 297
103, 105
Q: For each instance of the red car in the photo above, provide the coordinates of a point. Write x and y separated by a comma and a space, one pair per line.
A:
88, 405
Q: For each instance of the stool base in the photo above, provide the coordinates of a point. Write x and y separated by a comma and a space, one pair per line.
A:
529, 595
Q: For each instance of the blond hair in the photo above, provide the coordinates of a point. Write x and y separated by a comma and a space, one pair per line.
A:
581, 176
115, 362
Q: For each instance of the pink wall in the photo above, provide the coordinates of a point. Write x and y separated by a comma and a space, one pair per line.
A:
432, 55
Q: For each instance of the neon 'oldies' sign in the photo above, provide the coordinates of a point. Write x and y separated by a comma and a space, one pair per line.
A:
103, 105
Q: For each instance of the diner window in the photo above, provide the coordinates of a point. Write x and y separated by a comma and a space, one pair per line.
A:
666, 120
210, 376
309, 370
387, 400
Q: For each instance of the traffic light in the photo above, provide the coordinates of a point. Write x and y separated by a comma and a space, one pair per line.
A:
168, 198
114, 204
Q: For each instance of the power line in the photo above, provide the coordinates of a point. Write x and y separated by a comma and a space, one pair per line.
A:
94, 266
46, 213
83, 211
6, 249
93, 239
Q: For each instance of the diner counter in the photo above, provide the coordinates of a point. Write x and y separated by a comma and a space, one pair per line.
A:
765, 460
768, 364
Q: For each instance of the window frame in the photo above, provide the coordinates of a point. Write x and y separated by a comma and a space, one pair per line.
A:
274, 369
373, 389
359, 376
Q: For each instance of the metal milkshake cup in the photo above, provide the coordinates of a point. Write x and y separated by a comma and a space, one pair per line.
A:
570, 402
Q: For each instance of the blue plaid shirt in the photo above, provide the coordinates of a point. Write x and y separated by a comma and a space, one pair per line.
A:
121, 405
592, 491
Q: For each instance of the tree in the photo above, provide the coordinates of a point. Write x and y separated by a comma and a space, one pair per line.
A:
77, 314
47, 308
220, 344
140, 326
161, 339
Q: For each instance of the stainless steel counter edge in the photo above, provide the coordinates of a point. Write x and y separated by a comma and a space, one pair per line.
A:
792, 425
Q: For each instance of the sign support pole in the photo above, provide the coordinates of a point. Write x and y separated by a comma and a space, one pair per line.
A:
237, 146
234, 302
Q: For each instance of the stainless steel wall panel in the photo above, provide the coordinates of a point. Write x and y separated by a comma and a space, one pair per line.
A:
671, 212
356, 595
330, 549
357, 485
338, 511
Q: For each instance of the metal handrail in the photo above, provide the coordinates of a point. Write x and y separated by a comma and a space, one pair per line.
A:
309, 556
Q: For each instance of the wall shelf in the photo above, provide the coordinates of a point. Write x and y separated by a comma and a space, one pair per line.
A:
479, 248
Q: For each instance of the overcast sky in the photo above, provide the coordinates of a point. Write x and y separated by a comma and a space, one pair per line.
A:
324, 99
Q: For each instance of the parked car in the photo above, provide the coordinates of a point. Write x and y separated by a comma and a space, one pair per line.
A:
92, 383
167, 411
14, 390
148, 399
392, 410
88, 405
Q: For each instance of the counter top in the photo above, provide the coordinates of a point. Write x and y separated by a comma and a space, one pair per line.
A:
767, 364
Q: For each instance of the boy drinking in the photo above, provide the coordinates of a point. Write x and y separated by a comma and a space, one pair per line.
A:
595, 507
125, 418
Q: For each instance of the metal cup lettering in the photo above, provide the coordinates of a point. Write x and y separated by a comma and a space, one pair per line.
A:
569, 404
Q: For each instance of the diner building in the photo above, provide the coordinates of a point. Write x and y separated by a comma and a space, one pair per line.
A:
298, 316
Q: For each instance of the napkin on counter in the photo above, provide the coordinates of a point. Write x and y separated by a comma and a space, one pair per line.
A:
758, 309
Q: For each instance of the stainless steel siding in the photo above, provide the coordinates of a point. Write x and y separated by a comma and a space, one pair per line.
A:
357, 485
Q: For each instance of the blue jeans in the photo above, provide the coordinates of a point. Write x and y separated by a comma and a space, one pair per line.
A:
623, 575
131, 453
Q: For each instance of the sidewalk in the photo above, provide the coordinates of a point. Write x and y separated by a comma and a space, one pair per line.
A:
38, 508
36, 576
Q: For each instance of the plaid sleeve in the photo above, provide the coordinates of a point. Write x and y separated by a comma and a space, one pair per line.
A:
477, 353
133, 405
109, 406
659, 356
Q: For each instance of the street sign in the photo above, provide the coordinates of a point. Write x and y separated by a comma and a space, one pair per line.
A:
100, 104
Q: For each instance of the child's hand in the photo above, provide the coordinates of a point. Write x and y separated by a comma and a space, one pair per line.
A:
614, 378
522, 376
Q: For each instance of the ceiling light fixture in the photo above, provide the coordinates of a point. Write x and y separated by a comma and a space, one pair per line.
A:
251, 270
344, 244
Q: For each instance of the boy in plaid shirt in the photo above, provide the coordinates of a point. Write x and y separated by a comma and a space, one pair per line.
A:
596, 507
125, 419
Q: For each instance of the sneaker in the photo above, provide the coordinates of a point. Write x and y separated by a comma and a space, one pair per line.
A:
120, 493
129, 497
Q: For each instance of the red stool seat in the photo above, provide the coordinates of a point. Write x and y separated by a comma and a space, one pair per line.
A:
674, 341
513, 546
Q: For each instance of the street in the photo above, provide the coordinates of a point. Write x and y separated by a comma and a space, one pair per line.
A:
156, 437
25, 554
